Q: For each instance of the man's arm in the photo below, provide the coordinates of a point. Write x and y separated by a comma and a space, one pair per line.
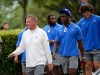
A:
47, 51
83, 62
81, 47
47, 48
19, 49
55, 49
16, 58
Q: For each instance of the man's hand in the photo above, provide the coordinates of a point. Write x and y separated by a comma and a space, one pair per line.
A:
14, 56
50, 67
11, 55
83, 62
54, 55
16, 59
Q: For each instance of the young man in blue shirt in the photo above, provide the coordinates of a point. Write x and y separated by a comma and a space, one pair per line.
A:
51, 29
67, 40
23, 55
90, 25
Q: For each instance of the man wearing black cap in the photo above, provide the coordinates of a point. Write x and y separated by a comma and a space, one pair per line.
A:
68, 35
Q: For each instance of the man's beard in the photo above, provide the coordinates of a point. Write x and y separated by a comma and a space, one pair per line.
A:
52, 24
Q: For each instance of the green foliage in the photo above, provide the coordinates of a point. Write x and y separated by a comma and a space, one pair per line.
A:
73, 5
40, 12
56, 5
6, 2
9, 37
8, 13
40, 8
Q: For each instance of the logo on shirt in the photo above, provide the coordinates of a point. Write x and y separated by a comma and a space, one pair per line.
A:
36, 37
94, 20
72, 29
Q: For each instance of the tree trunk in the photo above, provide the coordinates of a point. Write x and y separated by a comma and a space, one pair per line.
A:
23, 4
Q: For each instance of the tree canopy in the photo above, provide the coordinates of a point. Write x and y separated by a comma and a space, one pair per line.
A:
14, 11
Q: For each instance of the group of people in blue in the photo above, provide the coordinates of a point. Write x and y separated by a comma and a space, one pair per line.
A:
67, 39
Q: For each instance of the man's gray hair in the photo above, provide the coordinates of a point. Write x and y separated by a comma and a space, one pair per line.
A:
32, 17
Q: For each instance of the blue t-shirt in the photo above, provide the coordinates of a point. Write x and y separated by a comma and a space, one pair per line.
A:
67, 38
51, 32
23, 58
91, 32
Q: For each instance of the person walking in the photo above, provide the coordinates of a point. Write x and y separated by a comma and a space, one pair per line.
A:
90, 25
68, 39
35, 42
51, 30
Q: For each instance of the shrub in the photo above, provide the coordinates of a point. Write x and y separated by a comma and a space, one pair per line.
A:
9, 37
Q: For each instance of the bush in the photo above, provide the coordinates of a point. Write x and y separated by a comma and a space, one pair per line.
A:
9, 37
